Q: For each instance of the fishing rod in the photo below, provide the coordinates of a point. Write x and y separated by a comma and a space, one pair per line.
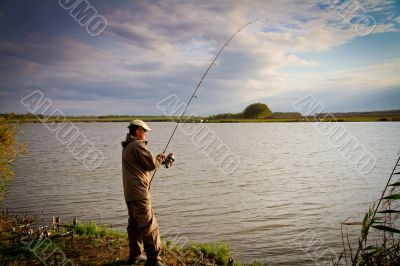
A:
198, 86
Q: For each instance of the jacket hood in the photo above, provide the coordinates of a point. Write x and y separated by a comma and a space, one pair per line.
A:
129, 139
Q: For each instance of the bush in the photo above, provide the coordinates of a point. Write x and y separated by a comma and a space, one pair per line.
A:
257, 110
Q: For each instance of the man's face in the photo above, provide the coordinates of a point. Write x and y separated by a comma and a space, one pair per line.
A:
141, 133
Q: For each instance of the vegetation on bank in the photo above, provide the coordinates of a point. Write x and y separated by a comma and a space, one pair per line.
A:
10, 150
92, 244
379, 241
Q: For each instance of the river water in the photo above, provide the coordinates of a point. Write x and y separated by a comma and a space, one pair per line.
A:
283, 204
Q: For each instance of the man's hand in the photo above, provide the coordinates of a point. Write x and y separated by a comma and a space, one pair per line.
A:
169, 160
161, 157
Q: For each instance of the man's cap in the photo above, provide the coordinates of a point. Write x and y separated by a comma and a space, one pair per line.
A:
139, 123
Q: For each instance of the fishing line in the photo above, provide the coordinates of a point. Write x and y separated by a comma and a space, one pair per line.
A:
198, 86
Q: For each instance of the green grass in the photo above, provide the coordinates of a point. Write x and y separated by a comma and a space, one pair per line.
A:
92, 230
218, 252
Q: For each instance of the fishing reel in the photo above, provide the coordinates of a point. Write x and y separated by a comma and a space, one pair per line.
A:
168, 160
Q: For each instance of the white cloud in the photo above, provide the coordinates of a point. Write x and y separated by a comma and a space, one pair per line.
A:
378, 76
293, 60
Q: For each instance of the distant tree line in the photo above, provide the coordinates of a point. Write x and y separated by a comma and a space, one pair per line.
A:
20, 116
361, 114
287, 115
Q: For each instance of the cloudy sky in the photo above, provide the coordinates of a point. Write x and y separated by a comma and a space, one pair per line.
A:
347, 57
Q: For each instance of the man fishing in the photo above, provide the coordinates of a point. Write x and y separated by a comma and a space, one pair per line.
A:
137, 165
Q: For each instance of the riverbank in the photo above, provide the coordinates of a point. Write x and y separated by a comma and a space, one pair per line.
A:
89, 244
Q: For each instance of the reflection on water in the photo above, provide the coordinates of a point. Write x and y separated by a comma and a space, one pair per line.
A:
291, 186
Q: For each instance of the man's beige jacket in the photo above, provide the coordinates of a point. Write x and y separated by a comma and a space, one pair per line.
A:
137, 165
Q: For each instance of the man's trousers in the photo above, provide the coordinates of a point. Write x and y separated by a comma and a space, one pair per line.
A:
143, 230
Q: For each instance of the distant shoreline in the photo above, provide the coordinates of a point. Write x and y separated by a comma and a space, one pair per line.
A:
281, 117
272, 120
